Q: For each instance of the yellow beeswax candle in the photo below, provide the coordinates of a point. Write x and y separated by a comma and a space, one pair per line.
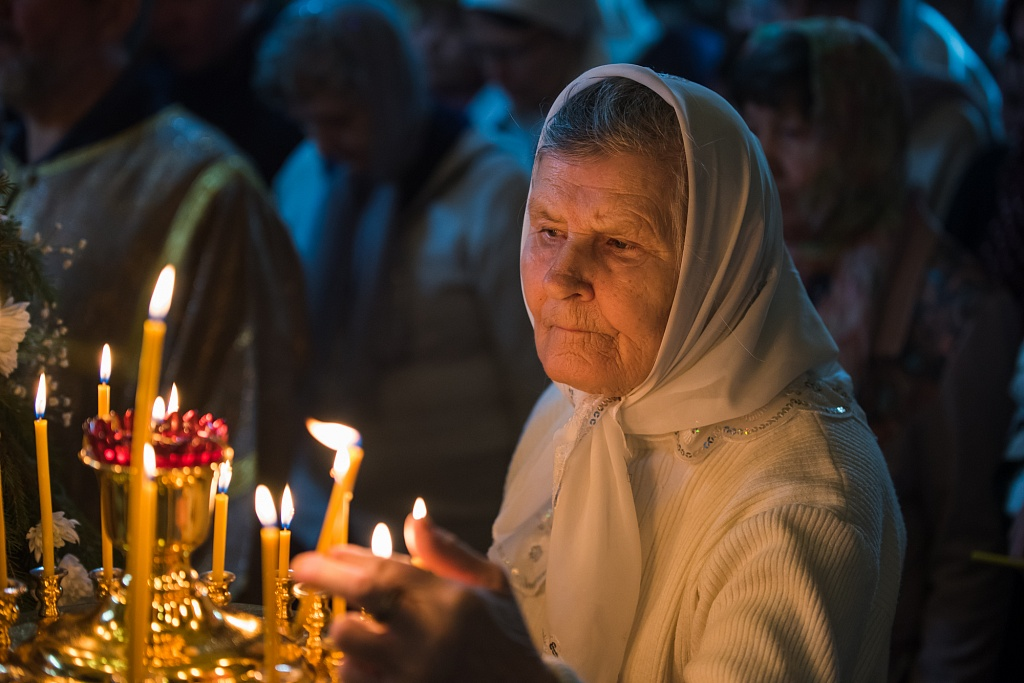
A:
102, 410
220, 519
153, 331
269, 542
287, 512
103, 388
3, 540
43, 470
140, 567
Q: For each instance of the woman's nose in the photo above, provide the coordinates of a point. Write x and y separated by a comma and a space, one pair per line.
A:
570, 273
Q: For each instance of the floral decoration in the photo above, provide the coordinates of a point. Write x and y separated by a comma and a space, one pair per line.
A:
179, 440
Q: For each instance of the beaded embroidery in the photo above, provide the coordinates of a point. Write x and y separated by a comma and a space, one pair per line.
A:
807, 393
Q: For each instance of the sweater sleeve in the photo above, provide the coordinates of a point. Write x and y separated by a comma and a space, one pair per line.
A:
786, 596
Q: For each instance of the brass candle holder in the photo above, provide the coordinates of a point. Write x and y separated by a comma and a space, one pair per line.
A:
219, 591
47, 591
102, 586
313, 624
283, 594
9, 615
191, 637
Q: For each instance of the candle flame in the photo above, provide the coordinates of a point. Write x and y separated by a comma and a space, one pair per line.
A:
41, 397
287, 507
159, 409
160, 303
380, 542
172, 400
105, 364
342, 461
224, 476
335, 436
149, 460
265, 509
419, 509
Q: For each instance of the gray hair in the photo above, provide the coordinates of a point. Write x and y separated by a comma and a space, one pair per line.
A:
618, 116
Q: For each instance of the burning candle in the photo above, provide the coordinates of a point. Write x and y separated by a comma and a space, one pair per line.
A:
159, 410
380, 542
269, 539
419, 511
140, 559
102, 410
43, 470
103, 388
172, 400
349, 457
220, 519
153, 332
287, 512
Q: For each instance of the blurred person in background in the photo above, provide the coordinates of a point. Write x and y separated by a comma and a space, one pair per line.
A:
440, 34
928, 338
529, 50
407, 224
206, 49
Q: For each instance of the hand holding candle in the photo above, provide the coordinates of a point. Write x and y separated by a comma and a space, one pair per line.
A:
220, 519
43, 470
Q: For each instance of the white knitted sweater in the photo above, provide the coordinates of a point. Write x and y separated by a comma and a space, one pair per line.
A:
772, 547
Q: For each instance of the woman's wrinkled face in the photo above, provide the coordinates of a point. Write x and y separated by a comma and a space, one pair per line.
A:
599, 268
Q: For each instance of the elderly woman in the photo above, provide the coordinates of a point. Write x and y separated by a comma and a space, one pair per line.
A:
698, 496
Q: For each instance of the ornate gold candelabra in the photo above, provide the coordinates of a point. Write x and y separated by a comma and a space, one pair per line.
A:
191, 637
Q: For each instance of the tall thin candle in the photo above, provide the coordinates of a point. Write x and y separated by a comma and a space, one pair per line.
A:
3, 540
102, 410
220, 519
269, 542
153, 331
43, 470
140, 567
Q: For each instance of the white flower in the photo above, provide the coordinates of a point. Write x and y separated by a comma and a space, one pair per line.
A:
63, 532
14, 322
76, 587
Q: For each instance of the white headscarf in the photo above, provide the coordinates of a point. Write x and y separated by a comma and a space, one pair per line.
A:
740, 330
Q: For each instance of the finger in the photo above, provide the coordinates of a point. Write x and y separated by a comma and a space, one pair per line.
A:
446, 555
366, 581
364, 639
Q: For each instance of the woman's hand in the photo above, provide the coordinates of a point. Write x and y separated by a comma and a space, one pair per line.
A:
459, 623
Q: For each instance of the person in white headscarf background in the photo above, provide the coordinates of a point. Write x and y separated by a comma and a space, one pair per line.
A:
698, 496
